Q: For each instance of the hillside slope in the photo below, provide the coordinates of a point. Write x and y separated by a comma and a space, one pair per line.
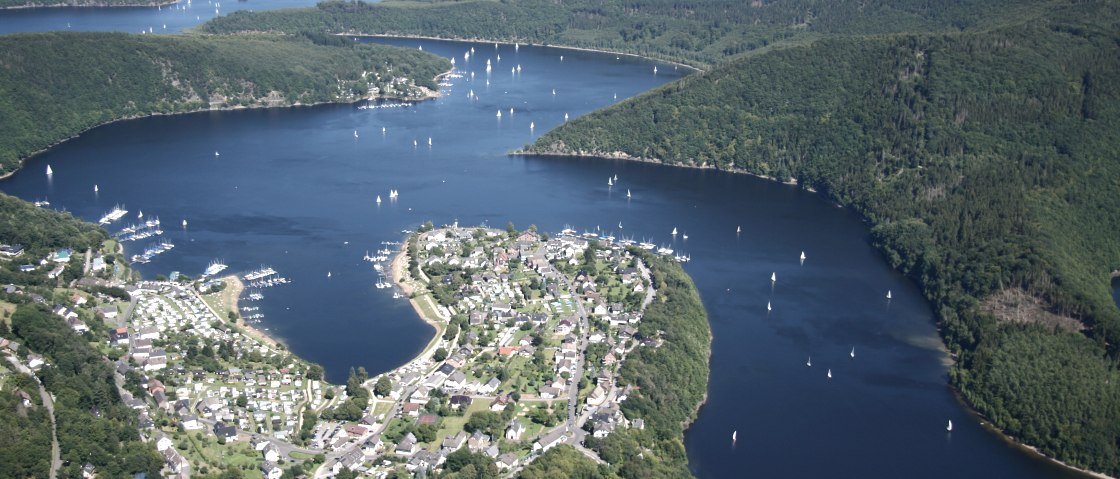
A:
987, 163
56, 85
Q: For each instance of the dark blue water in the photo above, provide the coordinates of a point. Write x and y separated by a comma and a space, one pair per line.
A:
293, 189
164, 19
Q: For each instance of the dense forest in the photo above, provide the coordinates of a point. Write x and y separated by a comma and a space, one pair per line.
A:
985, 161
701, 32
94, 425
55, 85
977, 138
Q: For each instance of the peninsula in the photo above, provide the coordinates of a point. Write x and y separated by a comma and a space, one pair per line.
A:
549, 349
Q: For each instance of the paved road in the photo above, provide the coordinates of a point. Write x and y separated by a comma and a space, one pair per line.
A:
56, 452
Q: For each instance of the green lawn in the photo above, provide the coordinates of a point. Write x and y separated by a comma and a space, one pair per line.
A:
452, 425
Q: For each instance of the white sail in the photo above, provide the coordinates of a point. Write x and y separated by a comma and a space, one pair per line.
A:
49, 170
802, 256
768, 308
96, 189
809, 362
674, 231
773, 277
888, 294
738, 229
217, 154
853, 353
829, 374
184, 223
532, 125
949, 427
499, 115
378, 199
734, 435
328, 274
628, 192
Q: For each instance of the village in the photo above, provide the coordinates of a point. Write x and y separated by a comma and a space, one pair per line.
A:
531, 332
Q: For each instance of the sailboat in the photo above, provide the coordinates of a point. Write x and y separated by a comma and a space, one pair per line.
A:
619, 225
949, 427
378, 199
184, 223
532, 125
414, 143
734, 435
738, 229
768, 308
853, 353
499, 115
355, 133
684, 236
802, 256
610, 182
429, 141
773, 277
328, 274
216, 153
655, 70
49, 170
140, 215
674, 233
553, 91
829, 374
627, 192
888, 294
565, 117
809, 362
383, 130
96, 189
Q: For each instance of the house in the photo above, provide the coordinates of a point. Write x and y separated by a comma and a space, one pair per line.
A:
228, 433
119, 337
453, 443
88, 471
455, 381
259, 443
602, 429
162, 441
499, 403
35, 361
271, 470
108, 312
507, 461
490, 386
270, 453
638, 423
356, 431
411, 409
190, 422
515, 430
11, 251
549, 440
457, 401
478, 441
407, 447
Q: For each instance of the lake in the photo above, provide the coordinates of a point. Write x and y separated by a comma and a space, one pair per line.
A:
295, 189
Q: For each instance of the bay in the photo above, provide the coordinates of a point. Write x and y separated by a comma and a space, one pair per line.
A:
294, 189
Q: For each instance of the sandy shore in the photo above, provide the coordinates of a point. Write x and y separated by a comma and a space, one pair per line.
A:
397, 270
230, 297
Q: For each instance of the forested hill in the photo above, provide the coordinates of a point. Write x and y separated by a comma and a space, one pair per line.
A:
699, 32
987, 162
55, 85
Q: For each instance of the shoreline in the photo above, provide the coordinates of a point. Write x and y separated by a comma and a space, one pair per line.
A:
232, 295
396, 275
1027, 448
428, 95
531, 44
